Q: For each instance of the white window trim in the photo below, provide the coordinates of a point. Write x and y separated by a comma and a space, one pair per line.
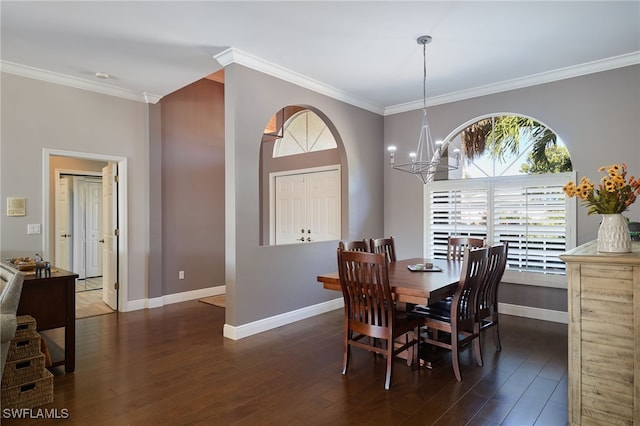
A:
514, 277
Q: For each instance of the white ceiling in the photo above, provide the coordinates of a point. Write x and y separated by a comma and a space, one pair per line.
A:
359, 51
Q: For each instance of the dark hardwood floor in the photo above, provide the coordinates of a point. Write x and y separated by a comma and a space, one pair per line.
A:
171, 366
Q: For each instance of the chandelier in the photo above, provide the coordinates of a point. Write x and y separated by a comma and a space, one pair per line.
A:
426, 161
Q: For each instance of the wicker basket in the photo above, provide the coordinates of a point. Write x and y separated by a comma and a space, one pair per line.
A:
24, 347
23, 263
22, 371
29, 395
26, 326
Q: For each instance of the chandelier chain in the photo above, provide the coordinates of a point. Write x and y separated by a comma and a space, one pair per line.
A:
424, 76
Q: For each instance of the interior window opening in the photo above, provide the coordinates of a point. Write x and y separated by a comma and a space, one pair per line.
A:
300, 179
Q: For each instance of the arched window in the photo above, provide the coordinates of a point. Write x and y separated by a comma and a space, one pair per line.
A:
304, 132
508, 145
508, 188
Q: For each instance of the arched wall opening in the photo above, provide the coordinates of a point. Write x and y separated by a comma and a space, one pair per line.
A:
304, 160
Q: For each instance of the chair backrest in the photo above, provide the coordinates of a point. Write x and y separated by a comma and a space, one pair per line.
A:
368, 303
384, 245
357, 245
496, 265
456, 246
463, 306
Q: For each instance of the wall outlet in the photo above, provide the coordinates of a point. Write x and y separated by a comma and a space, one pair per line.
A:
181, 275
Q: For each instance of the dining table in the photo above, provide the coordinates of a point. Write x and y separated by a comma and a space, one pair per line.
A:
420, 287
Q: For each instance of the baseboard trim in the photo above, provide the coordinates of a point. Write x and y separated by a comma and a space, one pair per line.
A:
168, 299
246, 330
256, 327
534, 313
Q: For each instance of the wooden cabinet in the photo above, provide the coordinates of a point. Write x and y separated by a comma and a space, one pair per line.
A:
52, 302
604, 336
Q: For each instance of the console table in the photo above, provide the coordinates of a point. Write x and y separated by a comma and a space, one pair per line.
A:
604, 335
51, 300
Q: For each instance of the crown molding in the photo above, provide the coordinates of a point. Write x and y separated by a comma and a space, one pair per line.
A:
519, 83
232, 55
78, 83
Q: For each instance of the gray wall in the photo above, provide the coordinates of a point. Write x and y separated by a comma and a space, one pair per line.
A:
38, 115
156, 270
597, 116
192, 187
265, 281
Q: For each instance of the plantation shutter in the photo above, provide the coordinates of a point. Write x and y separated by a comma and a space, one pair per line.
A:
529, 212
460, 210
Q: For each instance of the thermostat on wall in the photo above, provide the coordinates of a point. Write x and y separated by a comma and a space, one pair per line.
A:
16, 206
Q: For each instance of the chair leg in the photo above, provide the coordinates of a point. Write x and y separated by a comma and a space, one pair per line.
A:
477, 347
496, 336
413, 356
455, 359
415, 350
410, 335
387, 382
347, 352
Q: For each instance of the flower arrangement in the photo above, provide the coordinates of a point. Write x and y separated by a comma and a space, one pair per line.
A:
614, 193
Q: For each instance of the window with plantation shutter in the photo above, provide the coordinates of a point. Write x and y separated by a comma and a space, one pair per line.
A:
530, 212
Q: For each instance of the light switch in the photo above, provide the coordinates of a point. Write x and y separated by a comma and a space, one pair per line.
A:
33, 228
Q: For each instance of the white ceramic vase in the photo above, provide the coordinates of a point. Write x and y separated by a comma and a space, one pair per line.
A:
613, 235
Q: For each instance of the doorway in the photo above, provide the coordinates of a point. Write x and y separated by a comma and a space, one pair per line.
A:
79, 236
79, 177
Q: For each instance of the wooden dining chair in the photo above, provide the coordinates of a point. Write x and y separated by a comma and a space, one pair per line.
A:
458, 324
356, 245
487, 306
456, 246
384, 245
371, 320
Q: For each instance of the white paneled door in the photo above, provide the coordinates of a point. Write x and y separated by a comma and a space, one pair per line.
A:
109, 236
307, 207
93, 228
64, 225
323, 206
290, 206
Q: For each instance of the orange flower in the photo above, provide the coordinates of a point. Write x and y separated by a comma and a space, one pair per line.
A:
614, 194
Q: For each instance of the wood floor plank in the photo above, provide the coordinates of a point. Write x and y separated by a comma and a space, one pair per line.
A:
533, 401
